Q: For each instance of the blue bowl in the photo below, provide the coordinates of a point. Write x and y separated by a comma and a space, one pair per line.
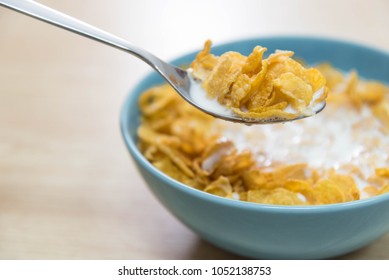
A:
268, 231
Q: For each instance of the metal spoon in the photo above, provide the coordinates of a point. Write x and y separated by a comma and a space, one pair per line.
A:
178, 78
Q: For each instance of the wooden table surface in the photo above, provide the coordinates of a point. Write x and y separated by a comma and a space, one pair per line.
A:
68, 188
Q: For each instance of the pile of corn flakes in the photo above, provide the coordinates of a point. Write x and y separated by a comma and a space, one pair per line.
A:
188, 145
277, 87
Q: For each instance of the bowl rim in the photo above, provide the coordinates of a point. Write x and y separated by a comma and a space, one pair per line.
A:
132, 98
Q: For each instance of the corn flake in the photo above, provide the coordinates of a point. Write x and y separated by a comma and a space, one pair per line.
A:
327, 191
277, 196
220, 187
384, 189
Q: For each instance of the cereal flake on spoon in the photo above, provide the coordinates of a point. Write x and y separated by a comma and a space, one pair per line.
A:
275, 88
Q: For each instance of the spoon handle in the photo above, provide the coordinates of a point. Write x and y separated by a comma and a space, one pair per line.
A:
49, 15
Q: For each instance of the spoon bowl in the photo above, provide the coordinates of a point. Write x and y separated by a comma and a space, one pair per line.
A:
178, 78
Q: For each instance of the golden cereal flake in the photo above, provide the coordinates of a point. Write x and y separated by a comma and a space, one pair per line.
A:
277, 196
223, 75
220, 187
327, 191
370, 191
294, 90
384, 189
382, 172
204, 62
